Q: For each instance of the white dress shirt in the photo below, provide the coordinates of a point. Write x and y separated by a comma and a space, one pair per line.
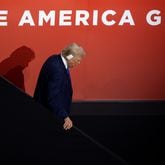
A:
64, 61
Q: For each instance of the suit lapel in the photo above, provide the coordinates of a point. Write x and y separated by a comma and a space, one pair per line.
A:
67, 75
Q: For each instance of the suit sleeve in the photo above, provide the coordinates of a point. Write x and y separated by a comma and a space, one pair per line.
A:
54, 93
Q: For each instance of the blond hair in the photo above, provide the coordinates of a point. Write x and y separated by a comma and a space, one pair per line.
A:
73, 49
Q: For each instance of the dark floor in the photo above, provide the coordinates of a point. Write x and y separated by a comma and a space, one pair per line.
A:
139, 139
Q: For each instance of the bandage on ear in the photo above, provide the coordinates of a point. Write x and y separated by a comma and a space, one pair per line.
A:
69, 57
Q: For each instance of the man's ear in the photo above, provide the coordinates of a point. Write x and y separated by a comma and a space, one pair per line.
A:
69, 57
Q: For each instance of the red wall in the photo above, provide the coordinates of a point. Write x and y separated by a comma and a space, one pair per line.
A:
122, 62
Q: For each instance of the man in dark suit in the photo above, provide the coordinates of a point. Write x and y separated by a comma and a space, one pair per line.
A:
54, 88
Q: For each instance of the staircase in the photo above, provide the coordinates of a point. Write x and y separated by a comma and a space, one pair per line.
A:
31, 135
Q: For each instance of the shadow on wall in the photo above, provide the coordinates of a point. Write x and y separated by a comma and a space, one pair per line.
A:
12, 67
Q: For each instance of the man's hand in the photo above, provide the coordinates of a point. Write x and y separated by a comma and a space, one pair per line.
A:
67, 123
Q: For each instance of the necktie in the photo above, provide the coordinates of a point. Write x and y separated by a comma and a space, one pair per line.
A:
67, 71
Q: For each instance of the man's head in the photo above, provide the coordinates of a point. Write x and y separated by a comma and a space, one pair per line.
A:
73, 54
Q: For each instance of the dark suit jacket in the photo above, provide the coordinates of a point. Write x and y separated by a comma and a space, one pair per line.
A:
54, 88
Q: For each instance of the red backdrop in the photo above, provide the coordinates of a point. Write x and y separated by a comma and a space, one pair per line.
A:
122, 62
